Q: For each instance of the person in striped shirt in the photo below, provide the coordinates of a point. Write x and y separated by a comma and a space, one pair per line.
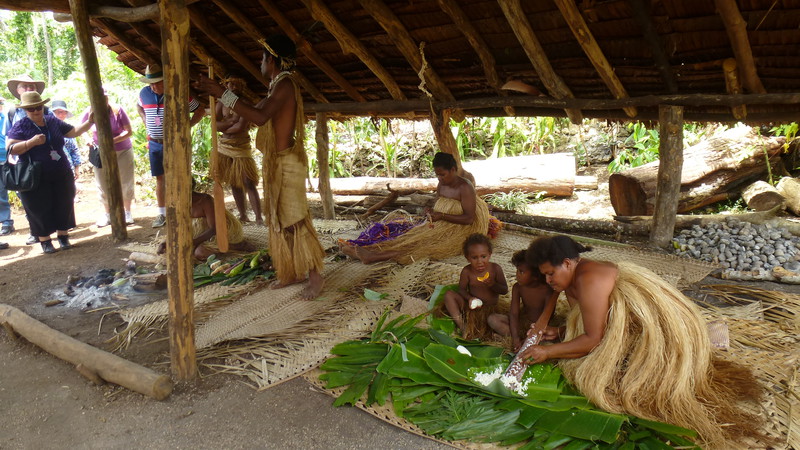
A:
151, 109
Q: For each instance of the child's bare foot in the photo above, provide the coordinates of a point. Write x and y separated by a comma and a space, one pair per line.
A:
277, 284
315, 284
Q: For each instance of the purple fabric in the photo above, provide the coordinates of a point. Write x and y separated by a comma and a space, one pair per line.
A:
118, 122
385, 231
54, 130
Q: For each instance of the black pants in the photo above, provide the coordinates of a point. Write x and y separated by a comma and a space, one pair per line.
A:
51, 206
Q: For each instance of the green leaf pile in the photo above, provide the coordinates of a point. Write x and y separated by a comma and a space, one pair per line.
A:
431, 384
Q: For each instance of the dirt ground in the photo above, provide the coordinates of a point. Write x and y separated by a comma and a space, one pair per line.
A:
45, 403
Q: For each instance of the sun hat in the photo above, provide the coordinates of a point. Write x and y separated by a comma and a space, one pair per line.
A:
31, 100
60, 105
152, 74
14, 82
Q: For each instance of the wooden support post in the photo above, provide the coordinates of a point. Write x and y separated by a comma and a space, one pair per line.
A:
324, 166
99, 104
733, 86
736, 27
440, 122
177, 165
669, 174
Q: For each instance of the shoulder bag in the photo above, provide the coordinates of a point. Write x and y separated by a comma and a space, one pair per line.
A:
22, 176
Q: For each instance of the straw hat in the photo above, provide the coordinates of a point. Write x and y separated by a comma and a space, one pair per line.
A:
152, 74
60, 105
14, 82
31, 100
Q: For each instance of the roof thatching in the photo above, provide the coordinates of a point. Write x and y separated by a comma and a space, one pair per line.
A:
581, 55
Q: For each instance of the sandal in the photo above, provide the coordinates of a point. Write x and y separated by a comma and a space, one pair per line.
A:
47, 246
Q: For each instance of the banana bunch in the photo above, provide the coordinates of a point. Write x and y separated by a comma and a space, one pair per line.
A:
234, 272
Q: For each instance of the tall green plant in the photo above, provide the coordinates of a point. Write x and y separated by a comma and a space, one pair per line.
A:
641, 148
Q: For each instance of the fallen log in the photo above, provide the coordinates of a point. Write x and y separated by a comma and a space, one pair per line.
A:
147, 258
689, 220
93, 361
790, 189
552, 174
574, 225
713, 170
762, 196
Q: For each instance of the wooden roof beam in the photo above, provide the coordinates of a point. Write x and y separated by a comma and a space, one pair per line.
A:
229, 47
641, 10
460, 18
408, 47
569, 10
737, 33
350, 44
123, 39
304, 46
512, 9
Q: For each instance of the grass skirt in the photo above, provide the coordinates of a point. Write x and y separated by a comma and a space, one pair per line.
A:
294, 253
236, 162
443, 240
655, 361
235, 232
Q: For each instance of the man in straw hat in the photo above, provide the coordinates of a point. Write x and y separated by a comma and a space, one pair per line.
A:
18, 86
151, 110
293, 244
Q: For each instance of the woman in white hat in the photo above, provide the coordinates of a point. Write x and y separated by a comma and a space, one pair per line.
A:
50, 206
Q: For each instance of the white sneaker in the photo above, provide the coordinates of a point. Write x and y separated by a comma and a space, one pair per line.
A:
160, 221
103, 222
128, 218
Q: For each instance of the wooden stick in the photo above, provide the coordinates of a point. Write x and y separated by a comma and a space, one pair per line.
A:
106, 366
220, 222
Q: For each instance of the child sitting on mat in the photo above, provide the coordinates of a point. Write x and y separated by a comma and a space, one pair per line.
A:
479, 287
532, 303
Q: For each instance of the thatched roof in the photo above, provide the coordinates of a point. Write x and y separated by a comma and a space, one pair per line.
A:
357, 51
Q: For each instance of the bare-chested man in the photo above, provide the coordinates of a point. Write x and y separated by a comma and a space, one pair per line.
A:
237, 168
294, 247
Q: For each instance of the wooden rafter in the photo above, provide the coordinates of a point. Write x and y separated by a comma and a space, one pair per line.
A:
229, 47
569, 10
736, 28
201, 22
304, 46
512, 9
350, 44
641, 10
123, 39
408, 47
464, 24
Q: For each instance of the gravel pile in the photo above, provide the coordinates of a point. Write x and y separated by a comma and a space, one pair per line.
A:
741, 246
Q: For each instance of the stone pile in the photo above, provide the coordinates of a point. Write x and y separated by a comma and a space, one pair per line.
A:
740, 246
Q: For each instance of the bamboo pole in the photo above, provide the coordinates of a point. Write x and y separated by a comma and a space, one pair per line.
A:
101, 117
174, 35
323, 152
670, 150
736, 28
733, 86
93, 362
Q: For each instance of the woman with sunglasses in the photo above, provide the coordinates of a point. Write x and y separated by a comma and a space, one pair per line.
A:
50, 205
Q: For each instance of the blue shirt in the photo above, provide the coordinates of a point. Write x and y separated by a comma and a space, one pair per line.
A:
2, 137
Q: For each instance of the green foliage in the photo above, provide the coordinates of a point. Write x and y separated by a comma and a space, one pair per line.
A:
789, 130
512, 201
641, 148
431, 384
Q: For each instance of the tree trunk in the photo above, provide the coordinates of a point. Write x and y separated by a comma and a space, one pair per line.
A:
762, 196
670, 124
94, 363
713, 170
552, 174
790, 189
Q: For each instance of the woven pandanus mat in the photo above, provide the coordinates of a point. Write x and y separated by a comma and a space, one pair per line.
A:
271, 311
675, 269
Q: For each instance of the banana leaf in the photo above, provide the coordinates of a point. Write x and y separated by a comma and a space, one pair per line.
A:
445, 324
360, 348
415, 368
583, 424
